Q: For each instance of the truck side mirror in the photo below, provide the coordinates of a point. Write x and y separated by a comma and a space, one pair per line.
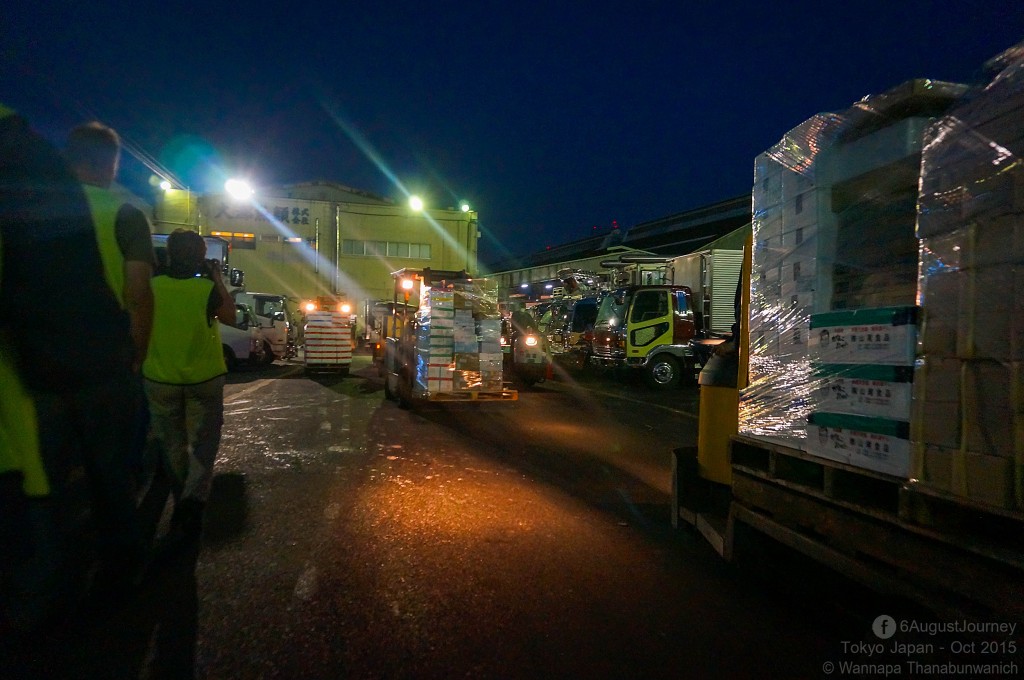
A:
237, 278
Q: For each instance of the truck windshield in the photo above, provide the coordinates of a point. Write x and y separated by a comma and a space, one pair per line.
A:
267, 306
584, 315
610, 313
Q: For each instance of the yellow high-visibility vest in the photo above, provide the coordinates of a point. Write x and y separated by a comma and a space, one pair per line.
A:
103, 206
184, 347
19, 428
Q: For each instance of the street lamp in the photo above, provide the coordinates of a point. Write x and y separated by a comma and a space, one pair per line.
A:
238, 189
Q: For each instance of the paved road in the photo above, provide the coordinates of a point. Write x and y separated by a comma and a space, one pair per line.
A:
349, 538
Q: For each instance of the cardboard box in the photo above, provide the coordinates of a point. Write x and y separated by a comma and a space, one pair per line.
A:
986, 479
880, 336
933, 465
937, 423
871, 443
986, 312
988, 408
878, 391
940, 314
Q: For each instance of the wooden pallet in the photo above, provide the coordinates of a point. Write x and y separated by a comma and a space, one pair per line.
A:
879, 529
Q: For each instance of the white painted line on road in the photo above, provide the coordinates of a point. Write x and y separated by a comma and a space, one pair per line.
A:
238, 396
642, 403
257, 385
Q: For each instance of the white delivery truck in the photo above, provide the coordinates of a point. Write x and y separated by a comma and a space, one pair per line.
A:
274, 320
242, 342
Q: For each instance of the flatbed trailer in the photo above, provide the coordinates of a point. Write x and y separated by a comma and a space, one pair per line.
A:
896, 536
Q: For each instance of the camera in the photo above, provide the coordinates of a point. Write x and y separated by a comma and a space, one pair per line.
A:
209, 269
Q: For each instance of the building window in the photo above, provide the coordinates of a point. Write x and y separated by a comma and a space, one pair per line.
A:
386, 249
398, 249
419, 250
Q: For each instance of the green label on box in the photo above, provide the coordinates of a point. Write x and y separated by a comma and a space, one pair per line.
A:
892, 316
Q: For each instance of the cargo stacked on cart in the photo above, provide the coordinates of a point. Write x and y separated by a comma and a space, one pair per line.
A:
444, 339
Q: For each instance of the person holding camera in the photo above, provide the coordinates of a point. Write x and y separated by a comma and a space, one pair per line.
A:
184, 375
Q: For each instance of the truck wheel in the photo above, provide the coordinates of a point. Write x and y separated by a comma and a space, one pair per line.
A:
404, 390
663, 372
268, 353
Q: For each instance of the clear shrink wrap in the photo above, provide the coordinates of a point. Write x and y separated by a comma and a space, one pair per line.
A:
458, 338
834, 212
968, 410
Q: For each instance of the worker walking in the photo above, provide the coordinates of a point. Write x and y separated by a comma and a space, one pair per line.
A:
122, 231
184, 375
50, 374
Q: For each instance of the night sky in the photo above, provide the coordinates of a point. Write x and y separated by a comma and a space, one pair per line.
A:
551, 119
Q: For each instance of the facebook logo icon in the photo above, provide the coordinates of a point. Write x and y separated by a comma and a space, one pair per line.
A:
884, 627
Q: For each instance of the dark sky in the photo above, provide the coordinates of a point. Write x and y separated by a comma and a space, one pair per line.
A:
550, 118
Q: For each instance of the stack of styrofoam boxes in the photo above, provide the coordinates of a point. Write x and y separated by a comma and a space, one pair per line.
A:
459, 340
864, 361
873, 180
491, 364
969, 395
435, 342
467, 345
788, 207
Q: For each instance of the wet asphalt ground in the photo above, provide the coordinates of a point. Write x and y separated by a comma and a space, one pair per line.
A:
348, 538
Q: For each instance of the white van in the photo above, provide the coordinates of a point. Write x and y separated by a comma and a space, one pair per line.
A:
243, 343
274, 320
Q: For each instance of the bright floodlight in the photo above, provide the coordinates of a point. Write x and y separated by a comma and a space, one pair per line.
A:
407, 284
345, 308
165, 185
238, 189
416, 203
524, 285
465, 207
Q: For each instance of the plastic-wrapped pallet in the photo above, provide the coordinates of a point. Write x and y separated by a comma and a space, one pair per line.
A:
833, 222
458, 338
328, 343
969, 395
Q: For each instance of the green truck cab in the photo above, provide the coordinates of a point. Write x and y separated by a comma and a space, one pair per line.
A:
648, 329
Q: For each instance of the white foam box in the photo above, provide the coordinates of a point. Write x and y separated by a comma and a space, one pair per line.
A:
876, 150
871, 443
875, 335
440, 298
878, 391
800, 208
768, 226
